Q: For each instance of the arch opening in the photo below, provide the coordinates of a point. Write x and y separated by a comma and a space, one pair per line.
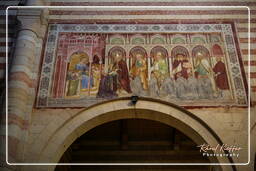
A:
150, 109
133, 140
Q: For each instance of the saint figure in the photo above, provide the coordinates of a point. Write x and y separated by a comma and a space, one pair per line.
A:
181, 65
139, 68
122, 73
73, 83
221, 78
160, 68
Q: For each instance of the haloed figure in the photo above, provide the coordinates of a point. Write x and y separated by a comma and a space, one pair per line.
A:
139, 69
121, 70
221, 78
203, 72
181, 65
160, 68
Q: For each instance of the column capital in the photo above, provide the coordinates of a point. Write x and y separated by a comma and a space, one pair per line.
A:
35, 20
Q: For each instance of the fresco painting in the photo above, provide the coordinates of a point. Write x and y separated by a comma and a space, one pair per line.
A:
184, 68
184, 76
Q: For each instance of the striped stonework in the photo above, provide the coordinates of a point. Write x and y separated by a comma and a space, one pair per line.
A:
33, 126
22, 82
12, 29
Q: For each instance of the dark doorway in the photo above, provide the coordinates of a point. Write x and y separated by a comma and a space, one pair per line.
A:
133, 141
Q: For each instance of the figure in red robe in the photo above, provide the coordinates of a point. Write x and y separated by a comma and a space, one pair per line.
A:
123, 76
120, 71
179, 66
221, 78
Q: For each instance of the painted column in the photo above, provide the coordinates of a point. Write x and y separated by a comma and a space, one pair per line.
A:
23, 80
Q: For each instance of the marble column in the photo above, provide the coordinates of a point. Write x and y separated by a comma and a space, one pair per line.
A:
22, 80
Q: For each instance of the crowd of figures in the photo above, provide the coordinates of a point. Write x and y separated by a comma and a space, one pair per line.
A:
181, 82
185, 80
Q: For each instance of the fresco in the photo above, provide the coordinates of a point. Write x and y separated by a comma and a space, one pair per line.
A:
186, 68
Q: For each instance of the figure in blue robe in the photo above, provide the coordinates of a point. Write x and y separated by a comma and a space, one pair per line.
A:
85, 79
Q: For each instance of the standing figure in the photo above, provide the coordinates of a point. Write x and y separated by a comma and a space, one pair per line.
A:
221, 78
96, 73
120, 69
139, 68
203, 72
73, 83
202, 66
160, 68
83, 68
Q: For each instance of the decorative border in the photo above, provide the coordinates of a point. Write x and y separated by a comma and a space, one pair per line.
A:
44, 92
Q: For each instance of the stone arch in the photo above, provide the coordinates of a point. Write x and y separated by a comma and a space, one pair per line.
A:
113, 50
198, 39
178, 39
217, 50
138, 40
76, 57
158, 39
117, 40
146, 108
179, 50
159, 49
200, 49
139, 49
134, 51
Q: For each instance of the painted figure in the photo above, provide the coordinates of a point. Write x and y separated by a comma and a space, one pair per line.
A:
202, 66
120, 67
160, 68
83, 68
221, 78
181, 65
73, 83
203, 72
106, 88
96, 73
139, 68
116, 78
220, 75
